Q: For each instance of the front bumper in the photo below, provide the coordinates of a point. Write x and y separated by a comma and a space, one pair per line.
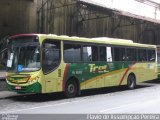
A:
34, 88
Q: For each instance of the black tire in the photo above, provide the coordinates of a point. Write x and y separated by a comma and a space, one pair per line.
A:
131, 82
71, 89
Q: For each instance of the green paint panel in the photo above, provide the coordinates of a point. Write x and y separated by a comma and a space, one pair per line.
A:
85, 71
34, 88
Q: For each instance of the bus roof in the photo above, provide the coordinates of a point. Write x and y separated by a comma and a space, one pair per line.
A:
19, 35
98, 40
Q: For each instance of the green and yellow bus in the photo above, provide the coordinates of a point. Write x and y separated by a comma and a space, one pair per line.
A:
39, 63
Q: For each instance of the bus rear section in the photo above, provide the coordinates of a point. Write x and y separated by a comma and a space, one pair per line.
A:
158, 61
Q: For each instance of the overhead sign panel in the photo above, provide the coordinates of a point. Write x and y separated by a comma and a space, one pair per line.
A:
133, 8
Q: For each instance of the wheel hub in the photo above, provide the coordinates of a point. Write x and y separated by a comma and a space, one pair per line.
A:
71, 88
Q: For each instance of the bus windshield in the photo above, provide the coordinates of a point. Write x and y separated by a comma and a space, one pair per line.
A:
23, 57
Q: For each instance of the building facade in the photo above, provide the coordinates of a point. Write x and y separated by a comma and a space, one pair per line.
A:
76, 18
18, 16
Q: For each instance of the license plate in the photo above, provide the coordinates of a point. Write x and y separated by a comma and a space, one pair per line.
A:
18, 87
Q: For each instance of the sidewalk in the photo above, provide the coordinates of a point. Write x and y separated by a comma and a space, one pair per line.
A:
3, 91
7, 94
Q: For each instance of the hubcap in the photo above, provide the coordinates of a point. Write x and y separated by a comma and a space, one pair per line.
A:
71, 88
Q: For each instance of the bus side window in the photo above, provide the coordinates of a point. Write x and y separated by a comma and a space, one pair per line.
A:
51, 55
94, 53
87, 53
131, 54
151, 55
103, 53
119, 54
109, 54
90, 53
142, 55
72, 52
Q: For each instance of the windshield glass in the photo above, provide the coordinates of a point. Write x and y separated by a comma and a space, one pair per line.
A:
24, 58
23, 54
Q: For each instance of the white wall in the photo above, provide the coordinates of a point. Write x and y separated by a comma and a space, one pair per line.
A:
131, 6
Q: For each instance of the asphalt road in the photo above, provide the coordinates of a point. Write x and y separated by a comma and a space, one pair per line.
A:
144, 99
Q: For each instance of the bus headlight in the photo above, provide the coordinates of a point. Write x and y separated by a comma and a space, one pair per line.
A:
8, 79
33, 80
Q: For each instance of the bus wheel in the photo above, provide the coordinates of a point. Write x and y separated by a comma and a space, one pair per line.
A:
131, 82
71, 89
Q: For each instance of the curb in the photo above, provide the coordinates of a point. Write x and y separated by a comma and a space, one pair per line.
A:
7, 94
3, 85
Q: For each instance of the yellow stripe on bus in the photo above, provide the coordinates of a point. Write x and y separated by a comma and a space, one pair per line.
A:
103, 75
